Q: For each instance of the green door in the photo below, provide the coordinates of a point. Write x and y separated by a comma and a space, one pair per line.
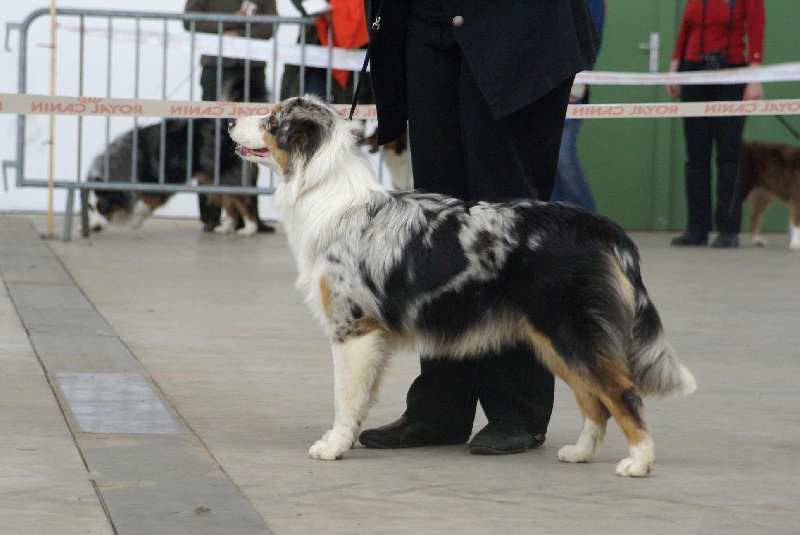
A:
635, 166
627, 161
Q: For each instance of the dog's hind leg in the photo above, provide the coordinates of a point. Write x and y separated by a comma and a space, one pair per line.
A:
621, 397
760, 200
357, 363
794, 225
242, 205
143, 208
595, 417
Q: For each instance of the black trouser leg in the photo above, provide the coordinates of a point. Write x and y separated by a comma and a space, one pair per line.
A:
728, 137
235, 76
698, 135
461, 150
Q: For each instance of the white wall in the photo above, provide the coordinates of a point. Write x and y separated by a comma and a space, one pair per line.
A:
66, 153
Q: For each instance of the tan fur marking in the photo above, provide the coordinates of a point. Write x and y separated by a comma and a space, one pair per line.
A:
325, 295
280, 156
623, 283
152, 201
613, 381
547, 354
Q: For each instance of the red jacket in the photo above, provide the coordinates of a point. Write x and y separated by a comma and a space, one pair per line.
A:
748, 20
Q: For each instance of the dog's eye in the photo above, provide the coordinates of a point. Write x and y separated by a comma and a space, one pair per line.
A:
271, 123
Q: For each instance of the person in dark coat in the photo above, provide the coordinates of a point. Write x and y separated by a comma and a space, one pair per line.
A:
483, 86
234, 73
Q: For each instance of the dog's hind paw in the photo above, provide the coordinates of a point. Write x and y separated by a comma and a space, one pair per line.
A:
759, 241
631, 468
249, 229
223, 229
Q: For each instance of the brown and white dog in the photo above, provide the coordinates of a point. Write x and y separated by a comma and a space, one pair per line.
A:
397, 159
388, 271
771, 170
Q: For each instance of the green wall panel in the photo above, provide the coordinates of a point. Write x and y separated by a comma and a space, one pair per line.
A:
635, 166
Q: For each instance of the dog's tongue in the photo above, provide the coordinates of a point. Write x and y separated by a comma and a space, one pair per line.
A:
246, 150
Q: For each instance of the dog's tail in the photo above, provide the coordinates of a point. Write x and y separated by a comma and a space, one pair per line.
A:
653, 363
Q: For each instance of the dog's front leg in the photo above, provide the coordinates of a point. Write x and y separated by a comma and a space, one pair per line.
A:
357, 364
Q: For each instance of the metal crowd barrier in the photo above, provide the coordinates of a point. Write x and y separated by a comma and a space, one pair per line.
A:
136, 62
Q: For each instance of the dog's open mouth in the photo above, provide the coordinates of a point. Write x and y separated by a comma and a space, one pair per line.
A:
247, 151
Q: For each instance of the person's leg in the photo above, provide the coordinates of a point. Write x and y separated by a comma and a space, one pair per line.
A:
258, 93
515, 156
515, 390
698, 136
210, 214
441, 402
316, 82
571, 185
727, 133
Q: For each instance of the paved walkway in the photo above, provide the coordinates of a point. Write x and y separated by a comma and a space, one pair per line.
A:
171, 381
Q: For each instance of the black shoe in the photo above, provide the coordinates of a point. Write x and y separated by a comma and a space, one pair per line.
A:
406, 433
503, 438
725, 240
689, 238
265, 228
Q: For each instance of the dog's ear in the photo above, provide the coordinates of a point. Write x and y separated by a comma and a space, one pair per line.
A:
299, 134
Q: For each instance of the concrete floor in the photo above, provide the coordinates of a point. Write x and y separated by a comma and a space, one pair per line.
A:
171, 381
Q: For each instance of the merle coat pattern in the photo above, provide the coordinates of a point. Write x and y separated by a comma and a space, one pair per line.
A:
385, 271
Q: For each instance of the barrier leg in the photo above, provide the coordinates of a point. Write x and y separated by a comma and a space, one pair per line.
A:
85, 213
68, 214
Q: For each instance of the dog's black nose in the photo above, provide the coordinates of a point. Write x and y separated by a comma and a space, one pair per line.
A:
231, 123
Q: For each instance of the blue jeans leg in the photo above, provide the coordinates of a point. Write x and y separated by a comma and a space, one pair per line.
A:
571, 185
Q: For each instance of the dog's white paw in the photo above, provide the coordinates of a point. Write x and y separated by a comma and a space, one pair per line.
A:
574, 454
135, 221
224, 228
249, 229
794, 246
759, 241
631, 468
322, 449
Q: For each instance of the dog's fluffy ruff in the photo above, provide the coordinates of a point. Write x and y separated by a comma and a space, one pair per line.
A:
385, 271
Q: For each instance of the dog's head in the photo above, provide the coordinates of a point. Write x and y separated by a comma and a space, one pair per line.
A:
295, 135
114, 206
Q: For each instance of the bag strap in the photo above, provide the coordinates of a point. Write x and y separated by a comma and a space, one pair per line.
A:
732, 5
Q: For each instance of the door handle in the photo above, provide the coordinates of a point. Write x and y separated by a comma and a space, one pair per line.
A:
654, 46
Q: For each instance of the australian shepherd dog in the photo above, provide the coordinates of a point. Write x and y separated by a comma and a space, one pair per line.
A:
127, 207
771, 170
386, 271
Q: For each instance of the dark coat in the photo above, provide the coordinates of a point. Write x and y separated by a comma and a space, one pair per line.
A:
257, 31
518, 51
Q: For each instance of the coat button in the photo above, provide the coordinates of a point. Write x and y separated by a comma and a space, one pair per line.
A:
458, 21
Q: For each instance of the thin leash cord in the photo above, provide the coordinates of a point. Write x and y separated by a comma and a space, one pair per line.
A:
788, 126
357, 90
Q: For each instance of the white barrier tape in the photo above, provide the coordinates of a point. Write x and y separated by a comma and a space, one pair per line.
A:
783, 72
238, 47
92, 106
121, 107
352, 60
684, 109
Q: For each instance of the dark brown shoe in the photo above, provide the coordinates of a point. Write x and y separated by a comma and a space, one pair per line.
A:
725, 241
406, 433
503, 438
689, 239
